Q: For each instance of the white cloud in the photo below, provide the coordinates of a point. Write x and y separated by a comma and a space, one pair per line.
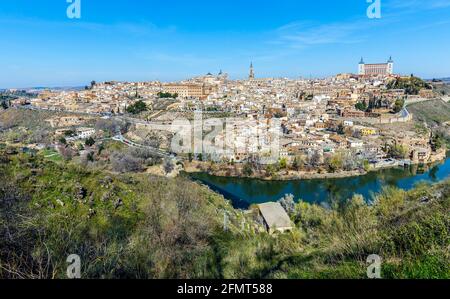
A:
417, 5
138, 28
305, 34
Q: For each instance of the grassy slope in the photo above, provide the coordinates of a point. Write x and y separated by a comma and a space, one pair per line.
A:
411, 237
442, 88
432, 112
25, 118
129, 239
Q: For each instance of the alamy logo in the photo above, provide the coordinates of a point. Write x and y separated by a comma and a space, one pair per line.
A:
226, 138
74, 9
374, 269
374, 9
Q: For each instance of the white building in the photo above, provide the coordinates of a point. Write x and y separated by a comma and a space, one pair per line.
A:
84, 133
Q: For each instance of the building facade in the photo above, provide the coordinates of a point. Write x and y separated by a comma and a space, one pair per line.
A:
376, 69
185, 90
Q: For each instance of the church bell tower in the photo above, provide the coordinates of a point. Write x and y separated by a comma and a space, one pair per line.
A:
252, 72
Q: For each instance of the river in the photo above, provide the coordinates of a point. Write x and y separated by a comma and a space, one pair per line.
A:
243, 192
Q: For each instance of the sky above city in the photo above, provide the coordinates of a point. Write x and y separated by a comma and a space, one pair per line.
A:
136, 40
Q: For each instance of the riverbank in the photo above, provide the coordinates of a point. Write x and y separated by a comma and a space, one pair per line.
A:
281, 176
236, 171
244, 192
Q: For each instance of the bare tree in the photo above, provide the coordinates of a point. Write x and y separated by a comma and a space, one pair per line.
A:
288, 203
66, 152
124, 162
112, 126
169, 166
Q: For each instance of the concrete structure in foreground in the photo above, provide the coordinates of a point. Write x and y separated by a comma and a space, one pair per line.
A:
275, 217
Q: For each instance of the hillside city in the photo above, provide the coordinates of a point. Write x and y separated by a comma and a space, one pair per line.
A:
225, 148
193, 179
339, 124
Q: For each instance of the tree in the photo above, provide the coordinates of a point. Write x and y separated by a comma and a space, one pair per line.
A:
62, 140
279, 114
126, 163
4, 105
361, 106
315, 159
309, 97
248, 169
69, 133
167, 95
145, 155
90, 157
66, 152
283, 163
112, 126
399, 151
270, 170
40, 135
438, 141
101, 148
137, 107
349, 162
90, 141
399, 104
341, 129
152, 140
298, 163
334, 163
411, 85
288, 203
366, 165
169, 166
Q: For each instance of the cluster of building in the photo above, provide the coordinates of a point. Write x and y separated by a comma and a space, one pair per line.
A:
115, 97
320, 116
317, 115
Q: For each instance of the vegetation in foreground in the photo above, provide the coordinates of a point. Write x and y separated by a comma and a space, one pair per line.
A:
138, 226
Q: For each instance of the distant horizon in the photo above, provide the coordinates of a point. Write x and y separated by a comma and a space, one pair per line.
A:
55, 86
140, 41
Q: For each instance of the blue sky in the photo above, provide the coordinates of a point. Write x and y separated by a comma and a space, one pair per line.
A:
136, 40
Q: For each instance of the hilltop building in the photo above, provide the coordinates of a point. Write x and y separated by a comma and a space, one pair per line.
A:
375, 69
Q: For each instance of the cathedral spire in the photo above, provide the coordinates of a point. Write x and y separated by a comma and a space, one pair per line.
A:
252, 72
